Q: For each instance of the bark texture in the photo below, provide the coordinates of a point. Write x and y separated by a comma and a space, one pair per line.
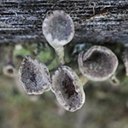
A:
96, 21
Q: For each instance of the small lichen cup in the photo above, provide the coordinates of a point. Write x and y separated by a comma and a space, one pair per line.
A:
98, 63
58, 29
34, 76
68, 89
125, 59
9, 71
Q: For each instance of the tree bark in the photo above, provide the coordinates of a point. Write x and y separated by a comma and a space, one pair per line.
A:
96, 21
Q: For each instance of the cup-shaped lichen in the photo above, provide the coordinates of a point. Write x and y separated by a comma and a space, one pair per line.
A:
125, 60
58, 29
67, 89
98, 63
9, 71
34, 76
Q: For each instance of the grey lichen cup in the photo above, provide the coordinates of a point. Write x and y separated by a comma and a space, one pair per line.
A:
125, 59
58, 29
98, 63
34, 76
67, 88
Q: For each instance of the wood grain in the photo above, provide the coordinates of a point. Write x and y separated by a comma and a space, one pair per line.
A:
96, 21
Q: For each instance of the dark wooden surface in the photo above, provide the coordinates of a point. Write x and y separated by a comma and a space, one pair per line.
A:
96, 21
